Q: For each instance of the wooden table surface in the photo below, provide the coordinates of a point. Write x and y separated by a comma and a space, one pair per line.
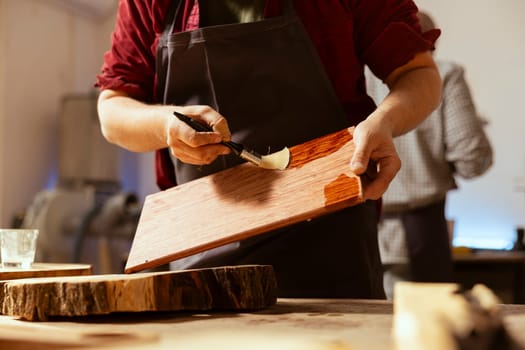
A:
290, 324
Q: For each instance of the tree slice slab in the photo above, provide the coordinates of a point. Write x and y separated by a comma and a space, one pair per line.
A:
245, 201
247, 287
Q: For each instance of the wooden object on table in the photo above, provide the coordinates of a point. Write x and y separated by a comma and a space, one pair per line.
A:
45, 270
222, 288
245, 201
441, 316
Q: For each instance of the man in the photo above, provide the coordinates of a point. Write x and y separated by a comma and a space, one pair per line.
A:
275, 73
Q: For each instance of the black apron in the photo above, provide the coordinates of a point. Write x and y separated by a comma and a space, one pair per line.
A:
265, 77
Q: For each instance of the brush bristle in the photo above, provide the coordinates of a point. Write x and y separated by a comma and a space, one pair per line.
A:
278, 160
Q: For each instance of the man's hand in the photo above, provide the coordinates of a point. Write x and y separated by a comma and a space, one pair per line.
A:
198, 148
375, 158
415, 90
141, 127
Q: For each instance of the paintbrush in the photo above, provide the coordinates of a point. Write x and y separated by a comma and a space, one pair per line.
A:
278, 160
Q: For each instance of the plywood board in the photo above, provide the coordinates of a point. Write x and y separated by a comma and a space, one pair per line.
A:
245, 201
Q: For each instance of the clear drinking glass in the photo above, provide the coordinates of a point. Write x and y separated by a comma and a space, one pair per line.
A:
18, 247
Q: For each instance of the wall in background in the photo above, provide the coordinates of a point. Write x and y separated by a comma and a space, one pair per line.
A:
487, 38
47, 52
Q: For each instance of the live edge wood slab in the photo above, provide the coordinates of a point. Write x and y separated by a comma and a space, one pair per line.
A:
237, 288
245, 201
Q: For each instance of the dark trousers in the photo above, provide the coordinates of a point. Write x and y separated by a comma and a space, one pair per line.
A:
428, 244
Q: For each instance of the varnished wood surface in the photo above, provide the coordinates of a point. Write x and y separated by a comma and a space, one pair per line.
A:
45, 270
245, 201
291, 324
249, 287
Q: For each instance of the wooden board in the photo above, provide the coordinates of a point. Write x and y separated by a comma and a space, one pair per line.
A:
245, 201
45, 270
442, 316
246, 287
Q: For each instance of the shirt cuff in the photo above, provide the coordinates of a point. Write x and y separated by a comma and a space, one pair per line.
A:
133, 90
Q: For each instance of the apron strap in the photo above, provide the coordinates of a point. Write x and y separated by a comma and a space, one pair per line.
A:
171, 16
169, 26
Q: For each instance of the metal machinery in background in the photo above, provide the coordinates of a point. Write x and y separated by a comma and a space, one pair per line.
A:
86, 218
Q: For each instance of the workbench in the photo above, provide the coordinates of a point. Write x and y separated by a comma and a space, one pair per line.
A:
290, 324
502, 271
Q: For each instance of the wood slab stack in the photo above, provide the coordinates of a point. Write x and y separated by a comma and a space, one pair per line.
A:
249, 287
245, 201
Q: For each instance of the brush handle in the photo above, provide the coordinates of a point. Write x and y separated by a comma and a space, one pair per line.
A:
237, 148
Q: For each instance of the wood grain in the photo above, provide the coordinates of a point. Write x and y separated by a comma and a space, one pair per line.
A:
246, 287
245, 201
